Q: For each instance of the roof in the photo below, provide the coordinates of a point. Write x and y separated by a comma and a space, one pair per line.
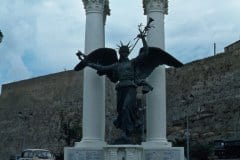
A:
36, 150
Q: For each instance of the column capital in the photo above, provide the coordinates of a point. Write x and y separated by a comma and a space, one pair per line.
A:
97, 6
155, 5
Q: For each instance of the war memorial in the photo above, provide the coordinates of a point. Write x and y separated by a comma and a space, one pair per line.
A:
213, 114
93, 145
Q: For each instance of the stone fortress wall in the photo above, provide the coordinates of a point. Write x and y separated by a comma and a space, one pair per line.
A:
45, 112
214, 108
37, 113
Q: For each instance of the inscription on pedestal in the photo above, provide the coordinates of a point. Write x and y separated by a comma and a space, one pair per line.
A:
123, 152
162, 154
85, 155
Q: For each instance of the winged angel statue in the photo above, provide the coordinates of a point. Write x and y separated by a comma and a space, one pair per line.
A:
127, 74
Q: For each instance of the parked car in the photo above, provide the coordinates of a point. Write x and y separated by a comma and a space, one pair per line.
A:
14, 157
227, 149
37, 154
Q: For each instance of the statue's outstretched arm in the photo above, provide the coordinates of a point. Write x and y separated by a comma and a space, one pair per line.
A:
101, 68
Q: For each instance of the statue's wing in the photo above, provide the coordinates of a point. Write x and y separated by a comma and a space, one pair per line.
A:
145, 64
101, 56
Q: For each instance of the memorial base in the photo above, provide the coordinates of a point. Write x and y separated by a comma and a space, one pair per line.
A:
124, 152
172, 153
71, 153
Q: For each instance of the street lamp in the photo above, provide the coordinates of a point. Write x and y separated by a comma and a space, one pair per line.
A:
187, 101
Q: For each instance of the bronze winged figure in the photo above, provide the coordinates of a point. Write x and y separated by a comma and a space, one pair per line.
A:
128, 74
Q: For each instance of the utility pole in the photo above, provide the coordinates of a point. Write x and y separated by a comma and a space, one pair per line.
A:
214, 48
187, 134
187, 101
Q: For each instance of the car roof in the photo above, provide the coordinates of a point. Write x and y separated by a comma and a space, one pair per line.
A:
35, 150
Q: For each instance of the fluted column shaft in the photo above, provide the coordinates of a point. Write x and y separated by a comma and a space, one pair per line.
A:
156, 100
93, 123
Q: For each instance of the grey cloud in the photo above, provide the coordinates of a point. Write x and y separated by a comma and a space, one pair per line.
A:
193, 26
18, 36
50, 30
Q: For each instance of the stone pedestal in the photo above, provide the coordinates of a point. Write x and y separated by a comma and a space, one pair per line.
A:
173, 153
125, 152
83, 153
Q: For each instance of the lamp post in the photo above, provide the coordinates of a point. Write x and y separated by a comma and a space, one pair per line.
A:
187, 135
187, 101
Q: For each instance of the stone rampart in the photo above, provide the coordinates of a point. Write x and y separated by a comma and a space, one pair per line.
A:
42, 112
208, 92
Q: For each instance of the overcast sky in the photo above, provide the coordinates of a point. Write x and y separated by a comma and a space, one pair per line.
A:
42, 36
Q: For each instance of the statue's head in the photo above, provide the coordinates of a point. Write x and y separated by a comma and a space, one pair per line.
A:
124, 50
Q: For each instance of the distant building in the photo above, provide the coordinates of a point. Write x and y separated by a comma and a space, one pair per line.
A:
234, 47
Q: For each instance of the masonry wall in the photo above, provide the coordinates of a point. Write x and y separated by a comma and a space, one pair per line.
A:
46, 112
208, 91
40, 113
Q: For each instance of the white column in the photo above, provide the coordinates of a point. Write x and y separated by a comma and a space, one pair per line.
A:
156, 100
93, 123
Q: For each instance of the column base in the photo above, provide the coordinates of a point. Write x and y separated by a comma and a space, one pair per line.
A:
156, 143
90, 143
171, 153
